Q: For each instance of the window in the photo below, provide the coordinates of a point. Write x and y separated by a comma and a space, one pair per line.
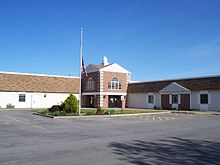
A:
204, 99
21, 97
114, 84
150, 99
174, 99
90, 84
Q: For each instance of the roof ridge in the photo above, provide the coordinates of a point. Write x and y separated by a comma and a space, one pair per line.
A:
186, 78
35, 74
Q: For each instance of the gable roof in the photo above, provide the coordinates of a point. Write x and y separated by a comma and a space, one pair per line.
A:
174, 87
108, 68
17, 82
114, 68
93, 67
203, 83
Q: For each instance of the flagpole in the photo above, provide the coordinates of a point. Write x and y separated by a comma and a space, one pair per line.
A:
80, 70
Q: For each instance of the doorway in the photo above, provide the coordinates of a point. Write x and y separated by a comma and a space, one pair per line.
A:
114, 102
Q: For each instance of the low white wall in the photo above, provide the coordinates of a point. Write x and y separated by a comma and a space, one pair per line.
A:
32, 100
139, 100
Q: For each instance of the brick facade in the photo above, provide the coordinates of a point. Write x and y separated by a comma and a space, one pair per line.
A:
101, 93
122, 78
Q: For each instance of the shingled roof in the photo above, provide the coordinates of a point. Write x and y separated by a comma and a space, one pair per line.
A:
204, 83
14, 82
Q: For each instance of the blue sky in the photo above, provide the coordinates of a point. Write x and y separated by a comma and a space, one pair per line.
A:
153, 39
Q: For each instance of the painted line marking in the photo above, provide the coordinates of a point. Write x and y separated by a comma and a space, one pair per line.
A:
12, 118
37, 126
159, 118
167, 118
153, 118
22, 122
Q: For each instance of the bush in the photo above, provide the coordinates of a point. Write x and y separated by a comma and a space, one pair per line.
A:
90, 113
9, 106
70, 105
55, 108
45, 112
57, 113
110, 112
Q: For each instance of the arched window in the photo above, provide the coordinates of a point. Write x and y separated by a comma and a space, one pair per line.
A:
114, 84
90, 84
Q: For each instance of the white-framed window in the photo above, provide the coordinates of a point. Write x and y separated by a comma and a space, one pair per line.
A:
204, 98
150, 99
90, 84
114, 84
175, 99
22, 98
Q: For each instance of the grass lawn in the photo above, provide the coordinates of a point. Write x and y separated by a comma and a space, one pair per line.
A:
92, 111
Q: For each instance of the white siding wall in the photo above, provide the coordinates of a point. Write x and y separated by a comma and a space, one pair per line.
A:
214, 100
139, 100
33, 100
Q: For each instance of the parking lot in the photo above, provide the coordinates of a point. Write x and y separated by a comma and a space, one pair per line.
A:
173, 138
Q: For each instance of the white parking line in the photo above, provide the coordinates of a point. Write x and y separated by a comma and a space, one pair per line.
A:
146, 117
167, 118
22, 122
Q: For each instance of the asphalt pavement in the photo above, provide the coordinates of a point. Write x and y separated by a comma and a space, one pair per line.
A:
146, 139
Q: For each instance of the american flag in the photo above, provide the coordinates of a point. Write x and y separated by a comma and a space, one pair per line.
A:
84, 68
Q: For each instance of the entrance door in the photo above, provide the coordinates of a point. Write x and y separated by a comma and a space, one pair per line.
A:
114, 102
36, 101
91, 101
165, 102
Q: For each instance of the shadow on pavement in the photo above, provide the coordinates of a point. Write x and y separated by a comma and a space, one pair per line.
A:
169, 151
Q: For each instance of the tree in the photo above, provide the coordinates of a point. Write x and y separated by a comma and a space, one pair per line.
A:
70, 105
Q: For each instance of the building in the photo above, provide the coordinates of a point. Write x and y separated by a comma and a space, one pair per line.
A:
181, 94
108, 86
105, 85
35, 91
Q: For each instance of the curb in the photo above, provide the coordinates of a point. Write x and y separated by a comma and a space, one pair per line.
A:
197, 112
99, 116
39, 114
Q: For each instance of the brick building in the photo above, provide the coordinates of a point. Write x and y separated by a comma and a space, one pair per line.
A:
105, 85
108, 86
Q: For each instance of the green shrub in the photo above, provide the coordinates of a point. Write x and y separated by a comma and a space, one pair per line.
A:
90, 113
45, 112
110, 112
70, 105
107, 112
57, 113
9, 106
62, 113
